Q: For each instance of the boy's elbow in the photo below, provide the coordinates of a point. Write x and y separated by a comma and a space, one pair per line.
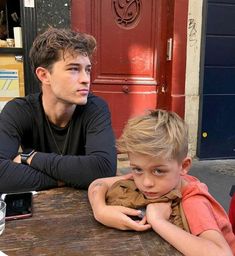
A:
93, 184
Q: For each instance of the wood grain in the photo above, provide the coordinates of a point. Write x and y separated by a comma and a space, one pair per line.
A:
63, 224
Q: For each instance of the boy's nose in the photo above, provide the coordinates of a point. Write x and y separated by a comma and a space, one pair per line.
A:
147, 181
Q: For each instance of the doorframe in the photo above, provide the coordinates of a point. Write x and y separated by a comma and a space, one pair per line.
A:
172, 92
29, 32
201, 75
83, 10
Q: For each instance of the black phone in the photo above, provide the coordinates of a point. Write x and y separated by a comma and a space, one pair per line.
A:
19, 205
141, 215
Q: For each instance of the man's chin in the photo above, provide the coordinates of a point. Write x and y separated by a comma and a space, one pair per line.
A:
81, 102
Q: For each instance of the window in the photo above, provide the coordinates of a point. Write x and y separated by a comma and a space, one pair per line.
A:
9, 18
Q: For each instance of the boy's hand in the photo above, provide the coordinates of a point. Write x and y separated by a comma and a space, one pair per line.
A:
119, 217
157, 211
110, 215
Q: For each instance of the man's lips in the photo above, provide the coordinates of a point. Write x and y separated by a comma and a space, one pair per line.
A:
83, 91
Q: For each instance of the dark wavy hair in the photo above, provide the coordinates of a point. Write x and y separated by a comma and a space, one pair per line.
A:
51, 46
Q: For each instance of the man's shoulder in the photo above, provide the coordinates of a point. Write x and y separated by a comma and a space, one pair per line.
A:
96, 104
94, 109
96, 100
22, 105
26, 100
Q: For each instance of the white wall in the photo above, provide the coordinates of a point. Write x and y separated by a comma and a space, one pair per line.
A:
194, 33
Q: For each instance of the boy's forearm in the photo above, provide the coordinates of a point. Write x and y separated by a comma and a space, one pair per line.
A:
98, 189
96, 194
187, 243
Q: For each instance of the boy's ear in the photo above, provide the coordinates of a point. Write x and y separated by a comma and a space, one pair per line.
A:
186, 165
42, 74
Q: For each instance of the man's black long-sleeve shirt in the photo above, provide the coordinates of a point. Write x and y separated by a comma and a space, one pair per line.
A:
90, 152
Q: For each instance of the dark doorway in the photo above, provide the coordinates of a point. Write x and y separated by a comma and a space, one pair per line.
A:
217, 119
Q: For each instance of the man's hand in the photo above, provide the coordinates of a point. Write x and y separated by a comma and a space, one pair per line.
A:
119, 217
17, 159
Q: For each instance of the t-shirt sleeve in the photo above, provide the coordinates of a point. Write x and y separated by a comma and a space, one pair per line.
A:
199, 214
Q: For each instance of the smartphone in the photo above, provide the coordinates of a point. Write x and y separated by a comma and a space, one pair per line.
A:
141, 215
19, 205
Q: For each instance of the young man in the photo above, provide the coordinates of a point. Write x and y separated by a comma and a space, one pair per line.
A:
65, 132
157, 147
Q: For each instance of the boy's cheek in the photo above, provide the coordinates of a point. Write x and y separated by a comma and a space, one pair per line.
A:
137, 181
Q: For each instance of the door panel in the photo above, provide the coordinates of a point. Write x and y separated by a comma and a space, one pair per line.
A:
126, 51
129, 65
217, 127
218, 136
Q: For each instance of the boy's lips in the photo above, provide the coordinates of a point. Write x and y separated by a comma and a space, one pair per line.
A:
150, 194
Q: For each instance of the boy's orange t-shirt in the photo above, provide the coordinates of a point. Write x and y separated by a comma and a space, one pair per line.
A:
203, 212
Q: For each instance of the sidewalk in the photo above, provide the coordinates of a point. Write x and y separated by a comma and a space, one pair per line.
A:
219, 175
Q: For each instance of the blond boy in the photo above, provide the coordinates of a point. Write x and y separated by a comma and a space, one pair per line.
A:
157, 147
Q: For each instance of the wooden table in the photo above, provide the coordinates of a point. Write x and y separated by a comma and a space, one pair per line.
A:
63, 224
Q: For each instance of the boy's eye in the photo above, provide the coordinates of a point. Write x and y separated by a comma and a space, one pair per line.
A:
137, 170
158, 172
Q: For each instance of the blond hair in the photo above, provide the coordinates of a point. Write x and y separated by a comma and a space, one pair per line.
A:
159, 133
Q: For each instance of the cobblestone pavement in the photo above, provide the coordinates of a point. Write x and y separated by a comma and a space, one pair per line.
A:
219, 175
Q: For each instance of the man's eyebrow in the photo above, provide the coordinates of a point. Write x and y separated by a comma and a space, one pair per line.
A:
77, 64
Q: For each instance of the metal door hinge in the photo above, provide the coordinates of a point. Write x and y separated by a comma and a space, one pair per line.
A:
169, 49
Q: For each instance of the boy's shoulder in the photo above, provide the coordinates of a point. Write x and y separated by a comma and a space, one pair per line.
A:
196, 195
194, 187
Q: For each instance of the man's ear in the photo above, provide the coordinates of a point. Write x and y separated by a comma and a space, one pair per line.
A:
186, 165
43, 75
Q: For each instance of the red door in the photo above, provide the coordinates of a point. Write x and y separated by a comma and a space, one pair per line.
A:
130, 62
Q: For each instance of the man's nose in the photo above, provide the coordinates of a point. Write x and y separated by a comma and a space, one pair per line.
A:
84, 77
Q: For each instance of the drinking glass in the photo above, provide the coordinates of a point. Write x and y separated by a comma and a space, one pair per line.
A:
2, 216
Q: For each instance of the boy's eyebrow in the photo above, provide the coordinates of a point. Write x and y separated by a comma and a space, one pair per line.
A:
153, 166
133, 164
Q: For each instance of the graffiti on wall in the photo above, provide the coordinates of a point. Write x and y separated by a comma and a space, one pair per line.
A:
192, 33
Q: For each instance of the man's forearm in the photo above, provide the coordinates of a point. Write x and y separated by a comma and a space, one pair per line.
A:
74, 170
17, 177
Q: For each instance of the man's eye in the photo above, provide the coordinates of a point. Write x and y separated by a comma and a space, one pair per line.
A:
88, 70
73, 69
137, 170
